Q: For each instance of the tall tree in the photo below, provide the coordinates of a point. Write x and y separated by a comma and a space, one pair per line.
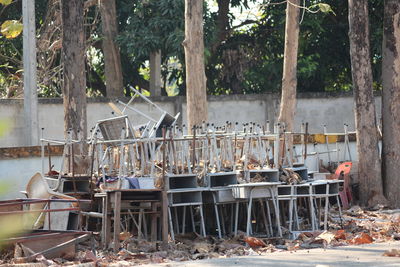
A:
289, 78
73, 56
369, 163
391, 102
112, 59
196, 93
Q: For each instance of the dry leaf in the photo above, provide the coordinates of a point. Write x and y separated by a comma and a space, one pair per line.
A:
327, 236
362, 238
392, 253
254, 242
340, 234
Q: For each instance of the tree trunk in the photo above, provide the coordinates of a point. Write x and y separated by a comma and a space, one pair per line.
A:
222, 24
73, 56
112, 59
196, 93
155, 73
289, 79
369, 166
391, 102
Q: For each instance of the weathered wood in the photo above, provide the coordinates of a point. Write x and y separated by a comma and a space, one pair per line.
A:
391, 102
58, 247
117, 218
196, 92
107, 221
164, 216
164, 197
73, 56
289, 78
112, 58
153, 229
74, 83
369, 166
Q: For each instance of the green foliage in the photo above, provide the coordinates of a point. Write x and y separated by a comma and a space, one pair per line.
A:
11, 28
323, 7
248, 60
5, 2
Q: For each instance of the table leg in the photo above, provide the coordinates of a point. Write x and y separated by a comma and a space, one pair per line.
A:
203, 227
164, 219
248, 226
236, 217
192, 219
269, 217
107, 226
171, 225
183, 219
275, 201
117, 219
217, 216
153, 222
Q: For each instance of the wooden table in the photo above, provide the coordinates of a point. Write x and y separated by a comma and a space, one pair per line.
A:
120, 198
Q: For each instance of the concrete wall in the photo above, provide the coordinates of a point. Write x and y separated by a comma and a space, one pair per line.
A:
317, 109
16, 173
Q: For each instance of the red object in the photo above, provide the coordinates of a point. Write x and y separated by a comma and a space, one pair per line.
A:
342, 173
254, 242
343, 169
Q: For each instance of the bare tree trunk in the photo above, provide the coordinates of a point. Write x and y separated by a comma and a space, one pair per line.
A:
369, 166
73, 56
391, 102
222, 24
196, 92
112, 59
155, 73
289, 79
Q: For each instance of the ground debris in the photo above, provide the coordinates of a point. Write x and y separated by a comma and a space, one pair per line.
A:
357, 226
392, 253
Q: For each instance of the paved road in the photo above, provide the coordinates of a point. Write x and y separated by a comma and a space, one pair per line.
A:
363, 255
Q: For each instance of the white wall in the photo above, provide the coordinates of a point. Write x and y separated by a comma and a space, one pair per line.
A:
15, 174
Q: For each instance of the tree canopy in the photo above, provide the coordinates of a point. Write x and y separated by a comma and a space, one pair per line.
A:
243, 46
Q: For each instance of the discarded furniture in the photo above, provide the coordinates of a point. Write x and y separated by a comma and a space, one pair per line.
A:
37, 188
218, 194
183, 192
127, 203
316, 190
264, 190
49, 243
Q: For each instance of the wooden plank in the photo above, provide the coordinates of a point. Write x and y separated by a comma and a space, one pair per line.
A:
107, 222
117, 218
154, 222
164, 223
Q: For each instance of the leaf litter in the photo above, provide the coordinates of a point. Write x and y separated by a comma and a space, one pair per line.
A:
356, 227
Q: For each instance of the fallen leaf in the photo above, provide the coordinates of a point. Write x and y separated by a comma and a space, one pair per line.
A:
340, 234
254, 242
362, 238
124, 235
392, 253
327, 236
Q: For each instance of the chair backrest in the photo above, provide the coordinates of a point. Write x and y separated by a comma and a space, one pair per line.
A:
343, 169
37, 188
